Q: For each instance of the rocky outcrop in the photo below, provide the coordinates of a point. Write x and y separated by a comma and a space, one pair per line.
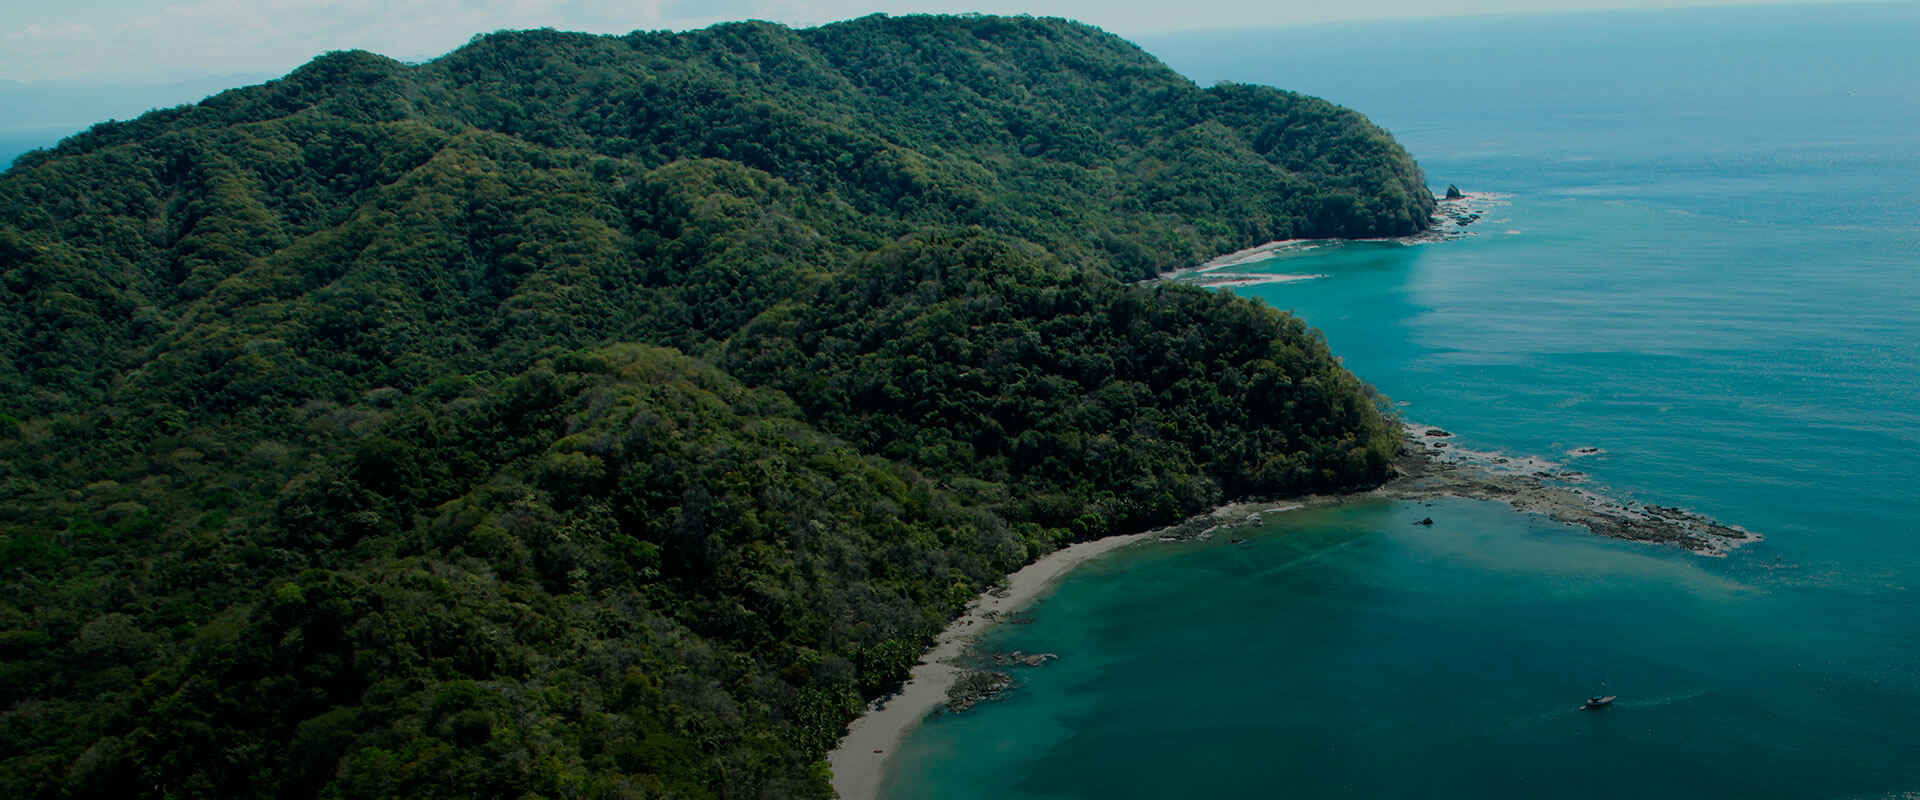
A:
1429, 469
1022, 659
974, 687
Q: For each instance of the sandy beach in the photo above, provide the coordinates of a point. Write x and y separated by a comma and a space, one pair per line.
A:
1450, 219
859, 763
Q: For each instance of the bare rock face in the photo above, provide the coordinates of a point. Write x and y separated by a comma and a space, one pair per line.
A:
1454, 193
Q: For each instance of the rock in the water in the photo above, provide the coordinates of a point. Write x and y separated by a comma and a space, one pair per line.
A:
974, 687
1454, 193
1428, 521
1020, 658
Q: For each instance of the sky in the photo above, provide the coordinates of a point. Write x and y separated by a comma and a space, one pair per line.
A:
130, 41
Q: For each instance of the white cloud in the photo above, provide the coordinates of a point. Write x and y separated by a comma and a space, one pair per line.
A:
122, 38
277, 35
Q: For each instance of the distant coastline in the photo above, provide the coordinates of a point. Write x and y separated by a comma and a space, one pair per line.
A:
1449, 220
1429, 467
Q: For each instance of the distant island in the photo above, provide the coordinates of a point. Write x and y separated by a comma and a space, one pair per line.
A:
597, 416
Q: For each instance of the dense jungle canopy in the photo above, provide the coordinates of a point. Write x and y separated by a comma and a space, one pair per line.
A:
603, 417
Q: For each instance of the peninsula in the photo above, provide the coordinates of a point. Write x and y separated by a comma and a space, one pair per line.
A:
578, 415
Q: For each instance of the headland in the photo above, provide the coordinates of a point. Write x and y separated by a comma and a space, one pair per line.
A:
1430, 465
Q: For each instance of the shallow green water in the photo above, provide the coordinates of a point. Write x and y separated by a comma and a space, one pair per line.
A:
1753, 356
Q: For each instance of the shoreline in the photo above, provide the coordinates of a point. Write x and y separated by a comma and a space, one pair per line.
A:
1449, 220
859, 762
1428, 467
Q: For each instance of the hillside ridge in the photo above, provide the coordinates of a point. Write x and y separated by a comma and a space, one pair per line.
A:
612, 416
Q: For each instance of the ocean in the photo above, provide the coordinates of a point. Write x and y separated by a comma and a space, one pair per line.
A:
1699, 253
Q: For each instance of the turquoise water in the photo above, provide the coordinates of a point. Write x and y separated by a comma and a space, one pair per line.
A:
1707, 264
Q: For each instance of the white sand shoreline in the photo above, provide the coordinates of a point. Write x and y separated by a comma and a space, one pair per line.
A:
1450, 219
859, 763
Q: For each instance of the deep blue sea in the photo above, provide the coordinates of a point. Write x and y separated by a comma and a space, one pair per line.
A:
1704, 260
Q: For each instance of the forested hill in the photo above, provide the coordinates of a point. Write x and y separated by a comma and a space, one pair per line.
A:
589, 416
